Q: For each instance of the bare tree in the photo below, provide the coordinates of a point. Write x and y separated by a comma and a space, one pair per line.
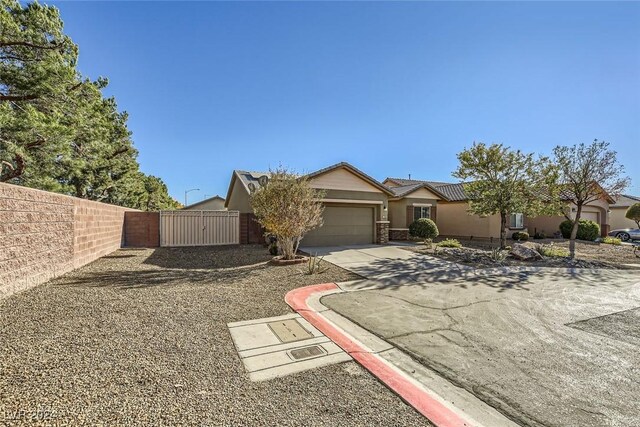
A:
588, 173
288, 208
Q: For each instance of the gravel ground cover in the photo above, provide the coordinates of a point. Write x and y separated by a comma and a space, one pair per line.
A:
139, 337
477, 253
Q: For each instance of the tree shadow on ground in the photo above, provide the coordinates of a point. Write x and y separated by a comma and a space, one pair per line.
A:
208, 257
384, 273
148, 278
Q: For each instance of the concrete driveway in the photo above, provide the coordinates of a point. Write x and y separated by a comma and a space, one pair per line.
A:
550, 347
388, 264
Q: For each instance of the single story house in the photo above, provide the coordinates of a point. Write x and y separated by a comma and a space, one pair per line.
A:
215, 203
356, 206
619, 210
361, 210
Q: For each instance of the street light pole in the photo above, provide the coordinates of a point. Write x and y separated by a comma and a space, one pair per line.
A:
187, 192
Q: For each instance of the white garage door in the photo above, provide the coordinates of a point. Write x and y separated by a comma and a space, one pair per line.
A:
343, 225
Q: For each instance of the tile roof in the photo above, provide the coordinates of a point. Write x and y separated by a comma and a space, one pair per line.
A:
625, 200
454, 192
404, 189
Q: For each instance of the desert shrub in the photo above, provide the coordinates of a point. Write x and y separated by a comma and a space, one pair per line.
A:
553, 251
539, 235
315, 265
520, 236
423, 228
612, 241
450, 243
587, 229
498, 254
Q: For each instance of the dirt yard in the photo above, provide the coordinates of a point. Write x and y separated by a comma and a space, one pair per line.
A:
139, 337
477, 253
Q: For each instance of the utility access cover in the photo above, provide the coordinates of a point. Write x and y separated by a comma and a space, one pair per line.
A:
280, 346
289, 330
307, 352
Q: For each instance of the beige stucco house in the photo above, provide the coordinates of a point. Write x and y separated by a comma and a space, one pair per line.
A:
362, 210
215, 203
356, 206
619, 210
454, 219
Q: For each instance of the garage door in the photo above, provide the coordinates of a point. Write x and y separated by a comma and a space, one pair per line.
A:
343, 225
593, 216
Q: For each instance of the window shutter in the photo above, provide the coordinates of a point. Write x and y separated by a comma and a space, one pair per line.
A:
409, 215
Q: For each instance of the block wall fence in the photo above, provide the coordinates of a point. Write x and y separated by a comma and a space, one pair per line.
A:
44, 235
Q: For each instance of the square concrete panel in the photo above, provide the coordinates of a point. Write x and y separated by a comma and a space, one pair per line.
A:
282, 345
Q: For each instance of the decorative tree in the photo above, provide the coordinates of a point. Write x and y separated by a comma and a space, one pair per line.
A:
502, 181
288, 208
588, 173
633, 213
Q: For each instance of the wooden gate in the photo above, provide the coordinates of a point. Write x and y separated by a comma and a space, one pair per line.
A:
199, 228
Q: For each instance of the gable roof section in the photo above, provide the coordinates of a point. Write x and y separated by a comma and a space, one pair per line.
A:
452, 192
354, 171
404, 181
245, 178
406, 190
248, 177
204, 201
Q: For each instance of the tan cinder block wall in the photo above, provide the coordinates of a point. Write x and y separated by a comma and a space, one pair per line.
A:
44, 235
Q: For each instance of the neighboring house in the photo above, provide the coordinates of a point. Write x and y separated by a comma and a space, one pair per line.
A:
215, 203
454, 219
361, 210
619, 210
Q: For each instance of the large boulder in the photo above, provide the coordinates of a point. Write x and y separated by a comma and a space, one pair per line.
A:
525, 252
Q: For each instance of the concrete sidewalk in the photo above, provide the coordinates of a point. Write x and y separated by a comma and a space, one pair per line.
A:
442, 402
553, 347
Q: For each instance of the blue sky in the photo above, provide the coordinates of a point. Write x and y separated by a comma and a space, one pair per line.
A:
393, 88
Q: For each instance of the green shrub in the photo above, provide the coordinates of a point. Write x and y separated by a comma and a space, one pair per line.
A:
423, 228
587, 229
633, 213
450, 243
520, 236
612, 241
553, 251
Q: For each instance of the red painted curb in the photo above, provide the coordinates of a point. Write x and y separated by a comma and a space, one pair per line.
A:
420, 399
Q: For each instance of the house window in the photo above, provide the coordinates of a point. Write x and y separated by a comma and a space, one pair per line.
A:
517, 220
421, 212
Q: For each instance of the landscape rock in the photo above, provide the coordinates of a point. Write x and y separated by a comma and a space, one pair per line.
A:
525, 252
